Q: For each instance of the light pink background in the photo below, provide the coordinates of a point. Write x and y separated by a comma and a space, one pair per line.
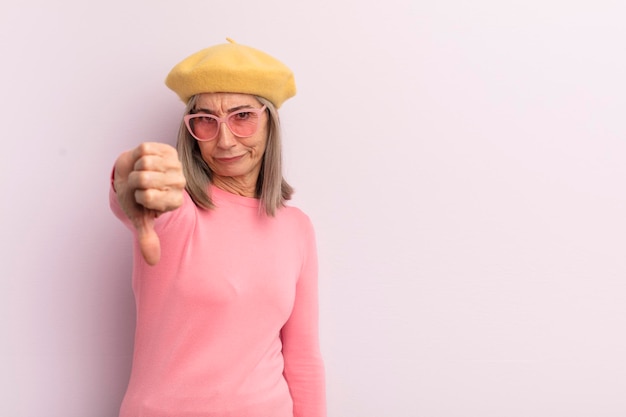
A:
463, 162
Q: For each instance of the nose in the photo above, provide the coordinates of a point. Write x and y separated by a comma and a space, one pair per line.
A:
225, 138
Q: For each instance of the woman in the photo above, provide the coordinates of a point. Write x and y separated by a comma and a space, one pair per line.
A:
225, 274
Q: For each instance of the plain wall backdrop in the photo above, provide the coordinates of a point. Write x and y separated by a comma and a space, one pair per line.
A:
463, 163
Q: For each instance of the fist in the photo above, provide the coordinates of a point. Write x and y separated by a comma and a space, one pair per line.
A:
149, 181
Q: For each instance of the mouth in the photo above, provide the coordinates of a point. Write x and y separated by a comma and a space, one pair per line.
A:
229, 159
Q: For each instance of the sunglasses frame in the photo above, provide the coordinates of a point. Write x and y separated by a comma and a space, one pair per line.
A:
220, 120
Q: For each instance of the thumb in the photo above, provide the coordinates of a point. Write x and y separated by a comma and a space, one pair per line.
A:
149, 242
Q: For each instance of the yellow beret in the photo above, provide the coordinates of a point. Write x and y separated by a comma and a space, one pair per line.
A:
232, 68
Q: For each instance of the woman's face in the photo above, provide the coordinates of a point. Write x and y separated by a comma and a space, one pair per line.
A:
235, 161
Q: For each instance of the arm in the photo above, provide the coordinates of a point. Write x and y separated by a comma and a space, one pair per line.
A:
304, 368
148, 181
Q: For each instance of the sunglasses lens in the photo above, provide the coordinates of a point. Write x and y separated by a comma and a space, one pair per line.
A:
203, 127
243, 123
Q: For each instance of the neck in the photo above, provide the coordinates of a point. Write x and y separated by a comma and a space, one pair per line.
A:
237, 186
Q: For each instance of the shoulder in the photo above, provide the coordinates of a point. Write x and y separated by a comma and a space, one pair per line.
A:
297, 221
294, 214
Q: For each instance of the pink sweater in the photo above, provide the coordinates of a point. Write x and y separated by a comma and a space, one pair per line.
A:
227, 321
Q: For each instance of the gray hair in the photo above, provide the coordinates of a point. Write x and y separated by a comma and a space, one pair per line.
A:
271, 188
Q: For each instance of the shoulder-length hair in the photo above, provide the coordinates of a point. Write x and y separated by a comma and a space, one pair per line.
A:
271, 188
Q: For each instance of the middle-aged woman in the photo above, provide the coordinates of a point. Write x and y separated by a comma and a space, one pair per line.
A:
225, 273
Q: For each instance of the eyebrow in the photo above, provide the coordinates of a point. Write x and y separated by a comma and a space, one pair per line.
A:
232, 109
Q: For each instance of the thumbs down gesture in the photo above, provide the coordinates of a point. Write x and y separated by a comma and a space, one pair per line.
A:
149, 181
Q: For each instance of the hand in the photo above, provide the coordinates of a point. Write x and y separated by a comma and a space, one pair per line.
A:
149, 181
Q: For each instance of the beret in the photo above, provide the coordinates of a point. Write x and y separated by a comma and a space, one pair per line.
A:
232, 68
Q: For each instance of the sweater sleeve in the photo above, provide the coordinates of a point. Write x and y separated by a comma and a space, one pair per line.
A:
304, 368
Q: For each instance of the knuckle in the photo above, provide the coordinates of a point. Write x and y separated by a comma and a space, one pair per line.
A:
148, 198
149, 163
173, 163
144, 179
143, 148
